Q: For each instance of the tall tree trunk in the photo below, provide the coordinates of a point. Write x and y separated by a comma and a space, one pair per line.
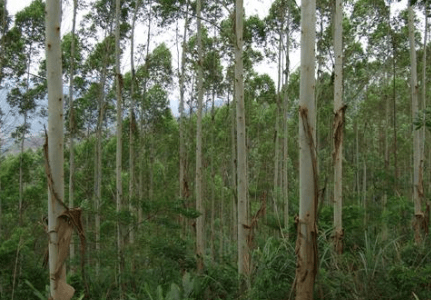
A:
306, 246
277, 135
141, 126
233, 164
285, 130
59, 289
358, 179
213, 185
394, 95
338, 127
199, 179
132, 190
72, 120
424, 78
24, 130
364, 191
119, 187
183, 176
417, 168
243, 247
386, 158
98, 161
21, 158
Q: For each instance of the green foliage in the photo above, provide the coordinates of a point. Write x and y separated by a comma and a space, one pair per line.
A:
274, 270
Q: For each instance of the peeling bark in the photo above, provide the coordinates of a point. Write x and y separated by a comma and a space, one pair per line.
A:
417, 166
306, 243
59, 290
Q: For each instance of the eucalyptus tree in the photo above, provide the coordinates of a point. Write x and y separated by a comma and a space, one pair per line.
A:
71, 116
200, 246
276, 21
132, 185
59, 289
424, 79
210, 68
419, 218
213, 75
282, 22
338, 134
29, 28
119, 151
246, 54
171, 11
99, 65
243, 204
306, 266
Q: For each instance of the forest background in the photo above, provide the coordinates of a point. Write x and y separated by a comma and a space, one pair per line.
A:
148, 245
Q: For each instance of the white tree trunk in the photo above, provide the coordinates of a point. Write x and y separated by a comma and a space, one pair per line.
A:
132, 190
182, 176
417, 170
276, 189
285, 131
199, 180
98, 164
338, 127
119, 187
306, 247
243, 248
233, 170
59, 290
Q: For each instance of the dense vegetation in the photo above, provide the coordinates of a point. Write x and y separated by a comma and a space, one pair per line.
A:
380, 259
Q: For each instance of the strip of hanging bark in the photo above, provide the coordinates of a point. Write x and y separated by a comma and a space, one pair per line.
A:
418, 227
303, 111
420, 186
338, 125
311, 252
420, 221
49, 173
309, 220
67, 221
338, 238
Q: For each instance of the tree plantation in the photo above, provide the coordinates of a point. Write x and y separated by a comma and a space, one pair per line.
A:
173, 150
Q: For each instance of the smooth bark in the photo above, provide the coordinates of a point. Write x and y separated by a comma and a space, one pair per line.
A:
243, 247
59, 290
98, 161
338, 127
417, 167
132, 189
119, 152
183, 175
199, 179
285, 130
306, 246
